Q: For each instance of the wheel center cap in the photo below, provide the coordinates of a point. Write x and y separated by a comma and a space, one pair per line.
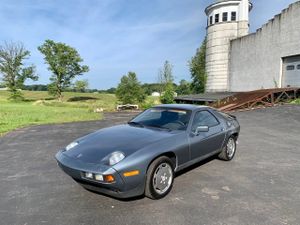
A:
164, 178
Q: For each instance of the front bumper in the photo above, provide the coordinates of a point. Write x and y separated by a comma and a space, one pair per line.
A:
119, 188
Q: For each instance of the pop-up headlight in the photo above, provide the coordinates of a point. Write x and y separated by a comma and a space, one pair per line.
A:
115, 158
71, 145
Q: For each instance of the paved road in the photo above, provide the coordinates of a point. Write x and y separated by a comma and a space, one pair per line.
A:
261, 186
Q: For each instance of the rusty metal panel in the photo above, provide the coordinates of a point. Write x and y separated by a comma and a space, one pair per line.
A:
256, 99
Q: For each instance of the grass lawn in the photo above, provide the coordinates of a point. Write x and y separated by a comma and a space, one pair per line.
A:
41, 108
71, 99
297, 101
16, 115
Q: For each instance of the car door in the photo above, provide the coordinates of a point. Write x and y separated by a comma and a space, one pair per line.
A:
204, 143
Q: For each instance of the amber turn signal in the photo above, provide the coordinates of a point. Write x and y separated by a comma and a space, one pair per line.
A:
131, 173
109, 178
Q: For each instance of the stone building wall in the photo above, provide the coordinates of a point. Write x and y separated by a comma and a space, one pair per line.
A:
219, 34
256, 60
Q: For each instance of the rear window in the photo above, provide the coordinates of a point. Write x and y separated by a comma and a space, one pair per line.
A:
225, 115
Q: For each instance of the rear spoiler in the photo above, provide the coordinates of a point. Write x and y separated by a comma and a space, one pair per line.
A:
233, 116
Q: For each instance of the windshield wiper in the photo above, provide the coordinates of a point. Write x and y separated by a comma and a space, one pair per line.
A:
135, 124
159, 127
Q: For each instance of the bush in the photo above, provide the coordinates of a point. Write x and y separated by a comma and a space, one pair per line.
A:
297, 101
168, 96
148, 104
16, 96
129, 90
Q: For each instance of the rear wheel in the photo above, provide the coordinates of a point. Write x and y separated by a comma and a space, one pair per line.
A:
160, 176
229, 149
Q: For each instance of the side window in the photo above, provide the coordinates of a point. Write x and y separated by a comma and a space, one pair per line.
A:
217, 18
204, 118
290, 67
210, 20
233, 16
298, 67
225, 16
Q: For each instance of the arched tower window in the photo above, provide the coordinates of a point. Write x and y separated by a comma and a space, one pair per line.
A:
233, 16
225, 17
217, 18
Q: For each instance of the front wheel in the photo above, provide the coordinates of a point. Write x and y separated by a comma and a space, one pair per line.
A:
160, 176
229, 150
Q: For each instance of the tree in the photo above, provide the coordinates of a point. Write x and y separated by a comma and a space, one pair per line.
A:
160, 81
198, 70
81, 85
64, 63
166, 79
14, 73
111, 90
129, 91
184, 88
165, 76
168, 95
35, 87
149, 88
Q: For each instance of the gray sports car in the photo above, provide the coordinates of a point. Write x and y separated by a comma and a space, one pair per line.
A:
142, 156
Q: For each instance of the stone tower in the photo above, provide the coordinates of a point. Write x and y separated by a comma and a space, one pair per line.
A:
227, 20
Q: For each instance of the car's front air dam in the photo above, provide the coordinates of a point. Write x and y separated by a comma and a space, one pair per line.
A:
76, 169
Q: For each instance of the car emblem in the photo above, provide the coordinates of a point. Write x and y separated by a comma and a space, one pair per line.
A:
79, 156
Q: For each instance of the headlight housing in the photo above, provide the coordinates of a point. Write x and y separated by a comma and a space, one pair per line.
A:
115, 158
71, 145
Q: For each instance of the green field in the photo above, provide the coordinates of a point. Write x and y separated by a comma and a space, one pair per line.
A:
71, 99
297, 101
40, 108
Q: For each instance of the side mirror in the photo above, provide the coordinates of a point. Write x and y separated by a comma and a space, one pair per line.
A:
201, 129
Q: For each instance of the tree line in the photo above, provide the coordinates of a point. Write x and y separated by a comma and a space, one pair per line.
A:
183, 88
65, 63
130, 90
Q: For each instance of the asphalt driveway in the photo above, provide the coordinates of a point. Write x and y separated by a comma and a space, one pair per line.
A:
261, 186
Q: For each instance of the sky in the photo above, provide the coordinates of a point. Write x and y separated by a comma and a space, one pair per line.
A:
117, 36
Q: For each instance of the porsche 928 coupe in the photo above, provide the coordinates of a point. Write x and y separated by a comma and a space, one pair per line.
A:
142, 156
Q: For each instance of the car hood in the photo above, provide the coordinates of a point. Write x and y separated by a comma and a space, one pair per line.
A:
124, 138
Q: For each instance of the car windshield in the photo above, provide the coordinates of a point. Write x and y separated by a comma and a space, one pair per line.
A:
163, 118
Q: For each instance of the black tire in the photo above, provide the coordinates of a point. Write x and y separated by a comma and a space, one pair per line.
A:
150, 190
225, 153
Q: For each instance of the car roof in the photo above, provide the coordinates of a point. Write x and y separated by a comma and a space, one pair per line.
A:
182, 106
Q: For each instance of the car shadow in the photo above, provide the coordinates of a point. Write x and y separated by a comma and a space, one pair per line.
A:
194, 166
118, 199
